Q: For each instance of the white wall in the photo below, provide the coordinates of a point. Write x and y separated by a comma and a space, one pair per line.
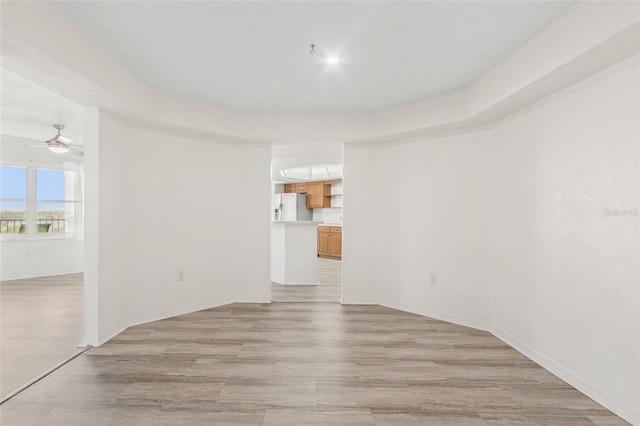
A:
431, 202
435, 206
40, 257
169, 203
513, 221
360, 239
116, 259
564, 274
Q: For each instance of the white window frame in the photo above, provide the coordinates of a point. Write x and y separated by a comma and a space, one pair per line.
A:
31, 217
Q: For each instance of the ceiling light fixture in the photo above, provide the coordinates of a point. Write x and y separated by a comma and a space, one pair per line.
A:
332, 60
313, 172
59, 144
58, 148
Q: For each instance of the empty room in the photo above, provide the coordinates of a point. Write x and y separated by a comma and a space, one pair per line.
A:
320, 213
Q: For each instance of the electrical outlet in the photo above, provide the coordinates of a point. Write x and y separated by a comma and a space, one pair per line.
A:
180, 275
433, 278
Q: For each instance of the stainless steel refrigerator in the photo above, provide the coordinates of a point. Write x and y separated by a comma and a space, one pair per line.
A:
291, 206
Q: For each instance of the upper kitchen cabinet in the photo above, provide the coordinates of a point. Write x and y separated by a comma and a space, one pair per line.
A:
295, 187
336, 192
318, 195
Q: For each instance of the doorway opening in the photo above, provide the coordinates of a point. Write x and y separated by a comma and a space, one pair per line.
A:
306, 230
41, 284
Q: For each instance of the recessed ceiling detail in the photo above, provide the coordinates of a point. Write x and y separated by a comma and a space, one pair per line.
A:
244, 56
312, 172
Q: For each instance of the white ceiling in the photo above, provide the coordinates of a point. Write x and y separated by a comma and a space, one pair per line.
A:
254, 56
28, 113
294, 155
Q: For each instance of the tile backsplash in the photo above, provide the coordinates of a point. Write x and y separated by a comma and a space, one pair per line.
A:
328, 215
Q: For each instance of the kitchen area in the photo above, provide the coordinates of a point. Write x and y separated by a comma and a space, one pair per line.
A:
306, 231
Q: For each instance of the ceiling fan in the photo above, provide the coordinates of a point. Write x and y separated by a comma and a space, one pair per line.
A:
58, 144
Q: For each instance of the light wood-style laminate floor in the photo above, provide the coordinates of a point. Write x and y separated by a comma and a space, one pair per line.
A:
41, 326
302, 364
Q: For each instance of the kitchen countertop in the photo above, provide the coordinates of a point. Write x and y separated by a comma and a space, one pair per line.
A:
296, 222
329, 224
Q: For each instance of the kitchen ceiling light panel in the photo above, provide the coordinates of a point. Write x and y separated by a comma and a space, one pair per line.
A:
314, 172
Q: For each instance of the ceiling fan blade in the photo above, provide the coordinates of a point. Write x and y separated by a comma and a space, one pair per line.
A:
31, 146
64, 140
24, 139
76, 151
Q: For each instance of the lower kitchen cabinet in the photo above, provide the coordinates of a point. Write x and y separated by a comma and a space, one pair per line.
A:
330, 241
323, 242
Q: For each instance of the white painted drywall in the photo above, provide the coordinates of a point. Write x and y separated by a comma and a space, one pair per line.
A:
91, 137
564, 274
514, 222
250, 215
360, 240
114, 225
434, 212
168, 203
28, 258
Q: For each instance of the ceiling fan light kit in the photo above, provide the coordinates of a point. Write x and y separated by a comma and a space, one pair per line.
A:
59, 144
57, 147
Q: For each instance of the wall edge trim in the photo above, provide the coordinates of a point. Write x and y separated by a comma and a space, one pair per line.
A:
187, 309
467, 322
565, 374
358, 301
12, 277
252, 300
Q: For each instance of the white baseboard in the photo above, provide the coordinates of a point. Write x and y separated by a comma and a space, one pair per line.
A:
143, 319
252, 300
279, 283
359, 301
89, 341
628, 413
105, 336
467, 322
109, 334
40, 274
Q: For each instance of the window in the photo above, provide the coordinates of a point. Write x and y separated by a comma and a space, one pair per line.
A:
13, 199
38, 200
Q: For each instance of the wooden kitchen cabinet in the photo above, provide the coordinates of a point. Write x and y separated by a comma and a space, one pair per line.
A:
330, 241
335, 245
295, 187
318, 195
323, 240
